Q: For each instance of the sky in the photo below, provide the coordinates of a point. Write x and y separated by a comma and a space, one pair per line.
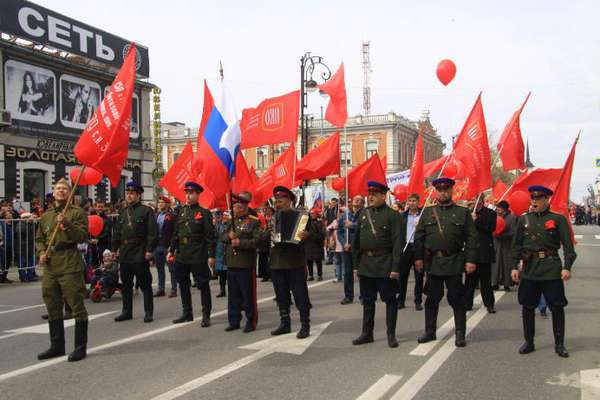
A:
504, 49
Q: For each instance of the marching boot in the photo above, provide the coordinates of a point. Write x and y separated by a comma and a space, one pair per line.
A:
250, 323
81, 338
186, 304
460, 325
304, 331
148, 306
528, 330
430, 325
205, 323
366, 335
126, 314
558, 326
391, 315
57, 340
285, 325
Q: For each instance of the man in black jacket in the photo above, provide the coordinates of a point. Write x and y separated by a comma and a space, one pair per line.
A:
485, 224
408, 257
165, 220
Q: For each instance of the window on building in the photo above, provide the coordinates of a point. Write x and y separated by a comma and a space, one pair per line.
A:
34, 184
278, 150
176, 156
262, 157
346, 153
371, 148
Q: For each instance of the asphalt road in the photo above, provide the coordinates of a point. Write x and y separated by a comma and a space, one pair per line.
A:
134, 360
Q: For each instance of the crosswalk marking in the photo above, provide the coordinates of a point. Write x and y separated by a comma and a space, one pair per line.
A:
581, 237
380, 388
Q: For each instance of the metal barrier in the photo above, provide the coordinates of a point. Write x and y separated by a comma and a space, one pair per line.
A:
17, 248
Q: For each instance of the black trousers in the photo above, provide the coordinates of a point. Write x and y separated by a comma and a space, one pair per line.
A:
387, 289
407, 263
143, 278
291, 280
263, 266
483, 276
553, 290
311, 267
434, 289
241, 283
201, 273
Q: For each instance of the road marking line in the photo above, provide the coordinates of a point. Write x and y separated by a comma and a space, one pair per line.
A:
380, 388
9, 335
588, 244
578, 236
424, 348
44, 364
590, 384
43, 328
422, 376
22, 309
597, 236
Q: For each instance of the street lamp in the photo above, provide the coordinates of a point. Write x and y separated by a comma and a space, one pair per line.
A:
308, 65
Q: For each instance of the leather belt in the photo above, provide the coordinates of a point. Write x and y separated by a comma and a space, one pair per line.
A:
59, 247
376, 253
541, 254
132, 241
188, 239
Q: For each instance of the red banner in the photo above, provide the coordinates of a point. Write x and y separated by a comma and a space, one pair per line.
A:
180, 172
104, 143
510, 146
322, 161
274, 121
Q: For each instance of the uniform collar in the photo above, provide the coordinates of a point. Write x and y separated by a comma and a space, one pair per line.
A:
542, 213
447, 205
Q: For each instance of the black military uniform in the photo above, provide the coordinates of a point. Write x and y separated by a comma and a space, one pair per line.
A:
539, 236
445, 240
377, 252
485, 224
135, 235
241, 267
193, 243
288, 272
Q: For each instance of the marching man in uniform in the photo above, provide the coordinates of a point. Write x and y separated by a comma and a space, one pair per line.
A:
242, 237
377, 249
446, 245
539, 236
193, 246
63, 271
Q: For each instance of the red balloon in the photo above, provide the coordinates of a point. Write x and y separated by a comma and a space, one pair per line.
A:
338, 184
95, 224
400, 192
90, 176
500, 225
446, 70
519, 202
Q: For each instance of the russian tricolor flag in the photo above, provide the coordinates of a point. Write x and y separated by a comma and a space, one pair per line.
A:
219, 144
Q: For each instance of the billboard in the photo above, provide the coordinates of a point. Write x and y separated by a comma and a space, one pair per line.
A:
41, 25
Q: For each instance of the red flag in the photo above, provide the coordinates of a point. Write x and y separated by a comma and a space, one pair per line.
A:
510, 146
472, 149
243, 179
279, 173
207, 107
274, 121
322, 161
104, 143
499, 189
337, 109
560, 200
538, 176
434, 166
369, 170
416, 184
180, 172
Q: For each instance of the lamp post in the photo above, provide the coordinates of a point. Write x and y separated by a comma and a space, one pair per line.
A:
308, 64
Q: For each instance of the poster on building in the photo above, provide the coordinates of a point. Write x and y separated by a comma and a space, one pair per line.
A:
30, 92
79, 99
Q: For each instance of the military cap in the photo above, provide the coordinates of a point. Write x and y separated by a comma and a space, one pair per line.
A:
443, 181
282, 191
193, 187
63, 181
375, 186
235, 198
540, 190
131, 185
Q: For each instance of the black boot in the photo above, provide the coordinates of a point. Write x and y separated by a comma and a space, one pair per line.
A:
460, 326
528, 331
186, 305
81, 338
206, 305
391, 315
126, 314
368, 325
285, 325
430, 325
304, 331
57, 340
558, 326
148, 305
205, 323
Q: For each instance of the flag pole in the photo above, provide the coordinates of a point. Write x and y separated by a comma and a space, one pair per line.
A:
346, 173
69, 201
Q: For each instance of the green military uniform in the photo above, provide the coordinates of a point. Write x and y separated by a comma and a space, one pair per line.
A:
445, 239
135, 235
537, 241
377, 251
241, 271
192, 243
